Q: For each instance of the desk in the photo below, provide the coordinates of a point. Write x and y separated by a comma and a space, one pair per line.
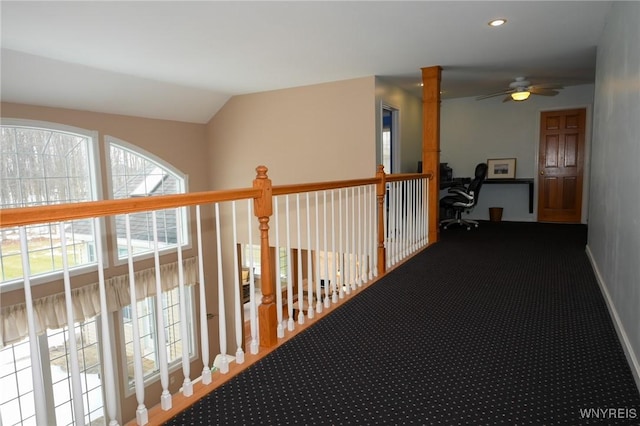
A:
528, 181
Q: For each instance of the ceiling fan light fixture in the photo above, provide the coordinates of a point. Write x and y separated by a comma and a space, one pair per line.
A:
497, 22
520, 96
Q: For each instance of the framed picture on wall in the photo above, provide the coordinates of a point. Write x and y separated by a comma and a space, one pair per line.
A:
501, 168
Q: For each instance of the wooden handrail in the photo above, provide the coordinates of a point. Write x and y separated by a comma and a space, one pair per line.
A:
321, 186
91, 209
397, 177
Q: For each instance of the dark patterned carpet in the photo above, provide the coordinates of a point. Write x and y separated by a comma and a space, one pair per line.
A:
501, 325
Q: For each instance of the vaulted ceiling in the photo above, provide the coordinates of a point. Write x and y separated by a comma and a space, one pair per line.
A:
182, 60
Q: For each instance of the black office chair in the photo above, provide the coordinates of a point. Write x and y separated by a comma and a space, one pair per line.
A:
464, 198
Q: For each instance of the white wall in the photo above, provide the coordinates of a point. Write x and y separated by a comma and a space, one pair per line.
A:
614, 207
473, 131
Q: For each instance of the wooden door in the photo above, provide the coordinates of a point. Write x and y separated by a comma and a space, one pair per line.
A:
560, 165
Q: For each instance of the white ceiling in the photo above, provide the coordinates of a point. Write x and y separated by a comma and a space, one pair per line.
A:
183, 60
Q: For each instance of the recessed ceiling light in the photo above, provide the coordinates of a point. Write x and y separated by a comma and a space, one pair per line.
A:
497, 22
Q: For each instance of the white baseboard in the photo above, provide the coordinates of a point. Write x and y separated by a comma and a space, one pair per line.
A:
632, 359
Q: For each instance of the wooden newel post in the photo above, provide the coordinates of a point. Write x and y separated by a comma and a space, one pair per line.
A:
381, 192
431, 142
263, 209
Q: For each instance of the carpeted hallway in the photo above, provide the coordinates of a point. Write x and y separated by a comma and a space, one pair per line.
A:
504, 324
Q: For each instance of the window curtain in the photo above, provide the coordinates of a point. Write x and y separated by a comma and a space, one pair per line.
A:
51, 311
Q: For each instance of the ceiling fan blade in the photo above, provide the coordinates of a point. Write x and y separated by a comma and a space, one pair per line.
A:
491, 95
545, 86
507, 98
544, 92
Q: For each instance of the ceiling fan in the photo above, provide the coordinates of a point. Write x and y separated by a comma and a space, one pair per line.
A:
520, 89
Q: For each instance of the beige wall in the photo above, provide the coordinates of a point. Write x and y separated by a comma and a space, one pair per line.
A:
304, 134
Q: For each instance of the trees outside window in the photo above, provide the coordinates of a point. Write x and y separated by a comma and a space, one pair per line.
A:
41, 166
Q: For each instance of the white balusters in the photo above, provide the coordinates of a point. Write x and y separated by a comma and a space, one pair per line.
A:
346, 255
327, 280
353, 268
238, 304
373, 232
280, 328
142, 415
76, 386
253, 346
317, 256
299, 258
165, 398
340, 280
108, 380
187, 385
334, 277
222, 323
204, 326
290, 320
309, 263
34, 352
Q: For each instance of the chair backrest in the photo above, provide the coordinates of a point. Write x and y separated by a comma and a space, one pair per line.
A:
476, 183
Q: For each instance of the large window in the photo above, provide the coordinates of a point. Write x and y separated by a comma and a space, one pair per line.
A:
147, 327
138, 174
17, 406
40, 166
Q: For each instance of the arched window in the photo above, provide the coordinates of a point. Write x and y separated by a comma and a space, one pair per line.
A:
135, 173
41, 164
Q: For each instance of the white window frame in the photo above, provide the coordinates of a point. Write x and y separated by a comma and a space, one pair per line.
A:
43, 347
95, 172
186, 233
176, 364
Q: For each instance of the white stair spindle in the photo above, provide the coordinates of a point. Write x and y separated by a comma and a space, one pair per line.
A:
204, 326
187, 385
165, 398
310, 308
373, 232
290, 320
299, 258
327, 283
142, 415
222, 323
334, 267
347, 244
361, 222
108, 379
317, 256
354, 252
395, 231
34, 352
253, 346
237, 297
279, 328
385, 223
76, 385
341, 274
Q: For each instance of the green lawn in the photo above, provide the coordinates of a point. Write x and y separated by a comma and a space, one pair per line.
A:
45, 256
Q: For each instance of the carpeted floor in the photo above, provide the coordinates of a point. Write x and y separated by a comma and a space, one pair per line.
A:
504, 324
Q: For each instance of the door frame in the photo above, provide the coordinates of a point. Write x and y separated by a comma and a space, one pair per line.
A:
395, 136
586, 167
